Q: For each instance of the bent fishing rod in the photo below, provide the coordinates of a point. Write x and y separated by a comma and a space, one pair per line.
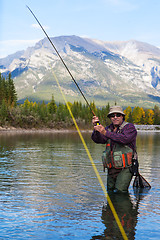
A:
61, 60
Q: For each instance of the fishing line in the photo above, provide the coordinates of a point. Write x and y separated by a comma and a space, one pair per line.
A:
92, 162
81, 137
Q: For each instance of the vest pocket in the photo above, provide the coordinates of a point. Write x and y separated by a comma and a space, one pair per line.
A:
118, 159
106, 160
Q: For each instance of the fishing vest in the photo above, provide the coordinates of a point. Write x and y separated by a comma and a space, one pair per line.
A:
120, 156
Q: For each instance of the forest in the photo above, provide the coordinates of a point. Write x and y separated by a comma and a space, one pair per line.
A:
51, 115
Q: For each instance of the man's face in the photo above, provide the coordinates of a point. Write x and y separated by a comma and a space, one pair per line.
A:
116, 119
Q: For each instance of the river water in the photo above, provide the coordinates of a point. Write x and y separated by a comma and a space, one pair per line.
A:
49, 190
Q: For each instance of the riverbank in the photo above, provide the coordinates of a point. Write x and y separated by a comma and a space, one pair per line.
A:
65, 130
147, 127
41, 130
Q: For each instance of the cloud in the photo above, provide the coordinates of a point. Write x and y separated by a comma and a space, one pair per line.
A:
36, 25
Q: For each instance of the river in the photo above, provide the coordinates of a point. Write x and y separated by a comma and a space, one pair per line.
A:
49, 190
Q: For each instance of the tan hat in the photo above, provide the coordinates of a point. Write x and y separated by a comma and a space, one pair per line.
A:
115, 109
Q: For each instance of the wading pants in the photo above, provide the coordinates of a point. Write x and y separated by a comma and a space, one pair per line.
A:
121, 182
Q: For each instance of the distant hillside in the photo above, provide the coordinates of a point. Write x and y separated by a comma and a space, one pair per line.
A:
125, 72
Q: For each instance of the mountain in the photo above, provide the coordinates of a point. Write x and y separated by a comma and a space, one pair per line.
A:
127, 72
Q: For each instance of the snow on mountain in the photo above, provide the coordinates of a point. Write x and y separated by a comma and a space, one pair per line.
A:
144, 55
127, 72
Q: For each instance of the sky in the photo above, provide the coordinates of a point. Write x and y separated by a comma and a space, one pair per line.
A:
106, 20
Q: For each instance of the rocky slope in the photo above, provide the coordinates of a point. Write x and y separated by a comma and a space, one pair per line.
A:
125, 72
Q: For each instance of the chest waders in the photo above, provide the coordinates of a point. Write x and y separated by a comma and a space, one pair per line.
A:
119, 157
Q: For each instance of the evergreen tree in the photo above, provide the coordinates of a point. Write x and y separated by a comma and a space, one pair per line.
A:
76, 109
2, 89
12, 95
43, 112
3, 111
62, 113
7, 90
86, 113
156, 115
52, 107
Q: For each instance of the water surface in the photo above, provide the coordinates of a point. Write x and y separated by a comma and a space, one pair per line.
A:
48, 189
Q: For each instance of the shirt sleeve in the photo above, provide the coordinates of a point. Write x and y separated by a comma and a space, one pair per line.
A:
97, 137
127, 135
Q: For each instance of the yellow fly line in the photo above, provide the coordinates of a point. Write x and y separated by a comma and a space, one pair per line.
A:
93, 164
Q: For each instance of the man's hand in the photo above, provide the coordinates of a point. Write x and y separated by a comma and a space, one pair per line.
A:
100, 129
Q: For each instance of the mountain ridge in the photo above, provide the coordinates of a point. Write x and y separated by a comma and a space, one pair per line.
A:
127, 72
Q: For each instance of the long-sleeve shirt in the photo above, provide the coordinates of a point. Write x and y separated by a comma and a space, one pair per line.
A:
126, 136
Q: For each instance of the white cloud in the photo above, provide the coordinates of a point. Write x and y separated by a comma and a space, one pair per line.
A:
85, 36
36, 25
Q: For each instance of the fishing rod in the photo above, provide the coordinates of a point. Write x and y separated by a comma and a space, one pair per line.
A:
62, 60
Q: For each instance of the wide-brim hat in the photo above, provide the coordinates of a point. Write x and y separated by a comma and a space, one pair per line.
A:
115, 109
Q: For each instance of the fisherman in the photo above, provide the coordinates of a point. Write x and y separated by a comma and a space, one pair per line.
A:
120, 140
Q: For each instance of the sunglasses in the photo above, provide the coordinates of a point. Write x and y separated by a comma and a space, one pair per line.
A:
115, 114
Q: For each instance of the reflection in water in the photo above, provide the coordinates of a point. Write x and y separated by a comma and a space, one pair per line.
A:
127, 213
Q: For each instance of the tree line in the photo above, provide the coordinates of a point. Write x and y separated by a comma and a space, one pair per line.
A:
51, 115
